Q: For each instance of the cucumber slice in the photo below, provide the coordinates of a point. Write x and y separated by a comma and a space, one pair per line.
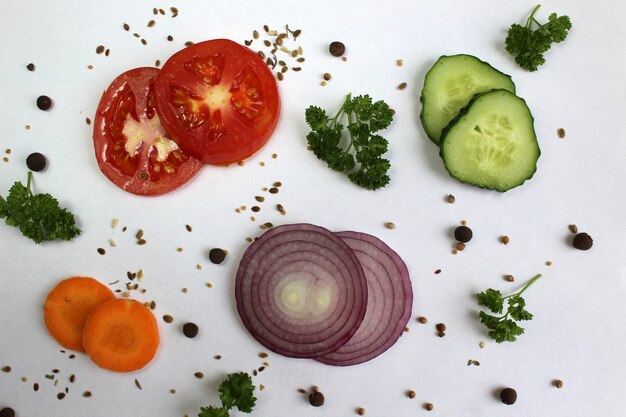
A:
492, 142
450, 84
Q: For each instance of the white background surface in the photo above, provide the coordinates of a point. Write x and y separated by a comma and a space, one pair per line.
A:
578, 334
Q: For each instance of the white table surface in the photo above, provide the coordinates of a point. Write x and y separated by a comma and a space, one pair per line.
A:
577, 334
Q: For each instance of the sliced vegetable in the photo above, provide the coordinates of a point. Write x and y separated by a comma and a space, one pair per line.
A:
301, 291
389, 301
492, 142
218, 100
67, 307
450, 84
132, 148
121, 335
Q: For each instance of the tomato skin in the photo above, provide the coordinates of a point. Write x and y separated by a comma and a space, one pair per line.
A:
218, 100
156, 166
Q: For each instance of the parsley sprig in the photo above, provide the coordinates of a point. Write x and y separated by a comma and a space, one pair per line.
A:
362, 158
528, 45
504, 328
38, 216
235, 391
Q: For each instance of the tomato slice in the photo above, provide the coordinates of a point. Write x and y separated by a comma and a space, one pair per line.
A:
132, 147
218, 100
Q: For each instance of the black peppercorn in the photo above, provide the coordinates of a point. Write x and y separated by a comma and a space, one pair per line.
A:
336, 48
217, 255
316, 399
508, 396
190, 330
36, 162
44, 102
583, 241
7, 412
30, 67
463, 234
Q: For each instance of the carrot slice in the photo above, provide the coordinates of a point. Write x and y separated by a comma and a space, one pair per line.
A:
121, 335
67, 307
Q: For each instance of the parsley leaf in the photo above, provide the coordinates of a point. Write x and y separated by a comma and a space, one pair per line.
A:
361, 158
38, 216
528, 45
504, 328
235, 391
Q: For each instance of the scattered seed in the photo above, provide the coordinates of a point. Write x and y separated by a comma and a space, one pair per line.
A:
273, 190
323, 83
162, 12
280, 76
72, 378
60, 395
90, 67
190, 330
437, 271
422, 320
505, 240
217, 255
464, 222
35, 387
172, 391
107, 52
179, 249
144, 42
263, 355
411, 394
157, 63
88, 120
170, 38
99, 49
261, 387
185, 290
30, 67
548, 263
460, 246
36, 162
6, 369
155, 11
473, 362
301, 390
463, 234
188, 43
336, 48
199, 375
217, 357
151, 23
360, 411
509, 278
440, 327
401, 86
582, 241
327, 76
482, 345
101, 251
557, 383
137, 383
44, 102
450, 199
24, 379
168, 319
508, 396
208, 284
390, 225
399, 62
560, 132
316, 399
429, 407
256, 209
87, 394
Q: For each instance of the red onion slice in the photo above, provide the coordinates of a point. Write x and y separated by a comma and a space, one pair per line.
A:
389, 303
301, 291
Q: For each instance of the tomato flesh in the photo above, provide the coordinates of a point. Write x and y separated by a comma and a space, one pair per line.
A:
218, 100
132, 148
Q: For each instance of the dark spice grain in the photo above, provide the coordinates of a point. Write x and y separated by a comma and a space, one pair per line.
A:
582, 241
190, 330
316, 399
36, 162
44, 103
217, 255
508, 396
30, 67
336, 48
7, 412
463, 234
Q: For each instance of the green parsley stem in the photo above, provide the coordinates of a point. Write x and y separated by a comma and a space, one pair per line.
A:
30, 180
528, 284
532, 17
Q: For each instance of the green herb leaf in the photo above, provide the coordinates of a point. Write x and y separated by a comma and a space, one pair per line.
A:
504, 328
528, 45
360, 155
237, 391
211, 411
38, 216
